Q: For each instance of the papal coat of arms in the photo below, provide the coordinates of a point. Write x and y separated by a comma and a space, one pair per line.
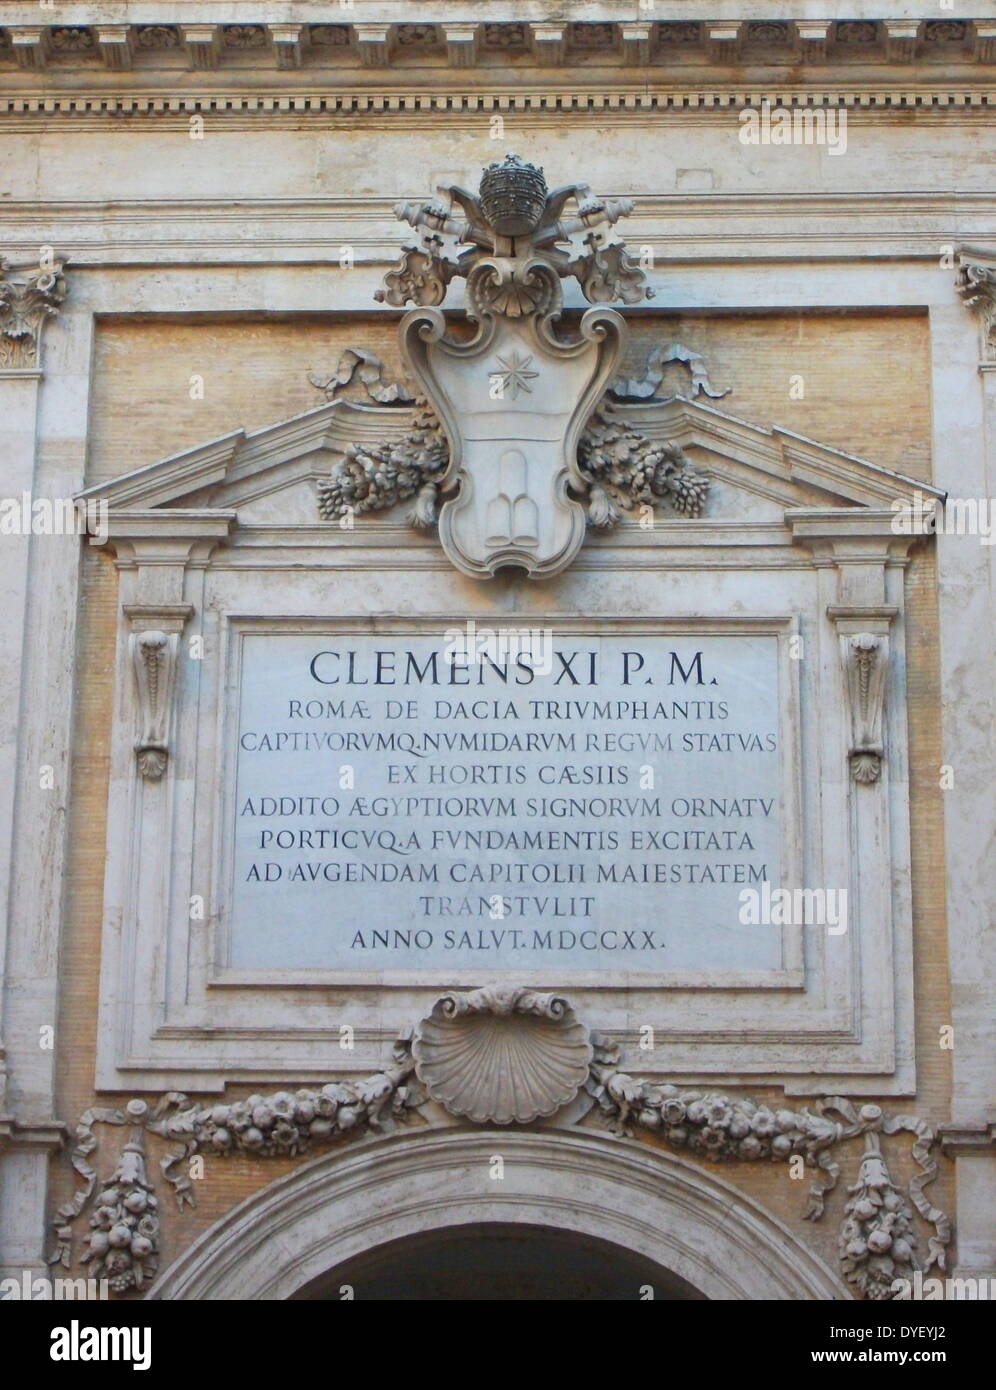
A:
513, 451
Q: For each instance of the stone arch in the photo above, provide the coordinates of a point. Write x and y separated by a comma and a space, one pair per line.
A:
663, 1208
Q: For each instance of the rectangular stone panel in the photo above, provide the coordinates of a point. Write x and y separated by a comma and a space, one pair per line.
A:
544, 801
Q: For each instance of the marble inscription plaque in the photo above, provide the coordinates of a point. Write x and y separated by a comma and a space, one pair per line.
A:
592, 803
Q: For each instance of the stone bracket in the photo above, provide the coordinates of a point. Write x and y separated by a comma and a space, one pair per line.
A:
116, 44
724, 41
202, 43
549, 43
153, 645
811, 39
287, 47
462, 41
900, 39
865, 655
958, 1141
863, 634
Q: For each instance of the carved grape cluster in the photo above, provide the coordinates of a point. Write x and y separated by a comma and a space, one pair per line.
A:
877, 1238
722, 1127
370, 479
627, 469
286, 1123
123, 1243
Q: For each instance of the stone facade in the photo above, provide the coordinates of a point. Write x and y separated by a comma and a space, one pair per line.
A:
777, 283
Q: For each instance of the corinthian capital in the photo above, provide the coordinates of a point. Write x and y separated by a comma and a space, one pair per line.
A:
976, 284
28, 296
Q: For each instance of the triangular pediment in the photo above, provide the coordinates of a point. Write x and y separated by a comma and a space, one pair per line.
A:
269, 475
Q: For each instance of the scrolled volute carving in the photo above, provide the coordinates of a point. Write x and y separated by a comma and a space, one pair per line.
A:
976, 284
28, 298
515, 217
624, 469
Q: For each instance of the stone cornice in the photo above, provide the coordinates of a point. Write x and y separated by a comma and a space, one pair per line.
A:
959, 1141
149, 47
182, 232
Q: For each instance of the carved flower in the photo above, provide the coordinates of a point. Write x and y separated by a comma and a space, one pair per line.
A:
712, 1138
739, 1126
304, 1108
673, 1111
763, 1122
157, 36
284, 1105
244, 36
718, 1112
751, 1147
330, 35
239, 1116
285, 1135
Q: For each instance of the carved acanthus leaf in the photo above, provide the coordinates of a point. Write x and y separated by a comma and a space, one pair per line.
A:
514, 216
154, 660
366, 370
865, 655
646, 386
977, 286
28, 297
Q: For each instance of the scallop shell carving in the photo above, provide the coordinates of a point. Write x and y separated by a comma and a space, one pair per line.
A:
502, 1055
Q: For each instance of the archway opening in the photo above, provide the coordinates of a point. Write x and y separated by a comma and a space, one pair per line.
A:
499, 1262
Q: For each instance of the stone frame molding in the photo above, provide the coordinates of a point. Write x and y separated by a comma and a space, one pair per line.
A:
822, 518
647, 1200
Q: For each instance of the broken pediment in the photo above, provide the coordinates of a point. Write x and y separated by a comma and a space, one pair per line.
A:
283, 475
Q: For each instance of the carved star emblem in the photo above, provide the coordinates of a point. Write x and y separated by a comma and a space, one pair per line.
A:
513, 376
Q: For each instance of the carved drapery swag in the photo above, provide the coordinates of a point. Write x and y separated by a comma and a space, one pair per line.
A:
454, 1056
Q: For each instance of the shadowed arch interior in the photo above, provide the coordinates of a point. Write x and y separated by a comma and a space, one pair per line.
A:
499, 1262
